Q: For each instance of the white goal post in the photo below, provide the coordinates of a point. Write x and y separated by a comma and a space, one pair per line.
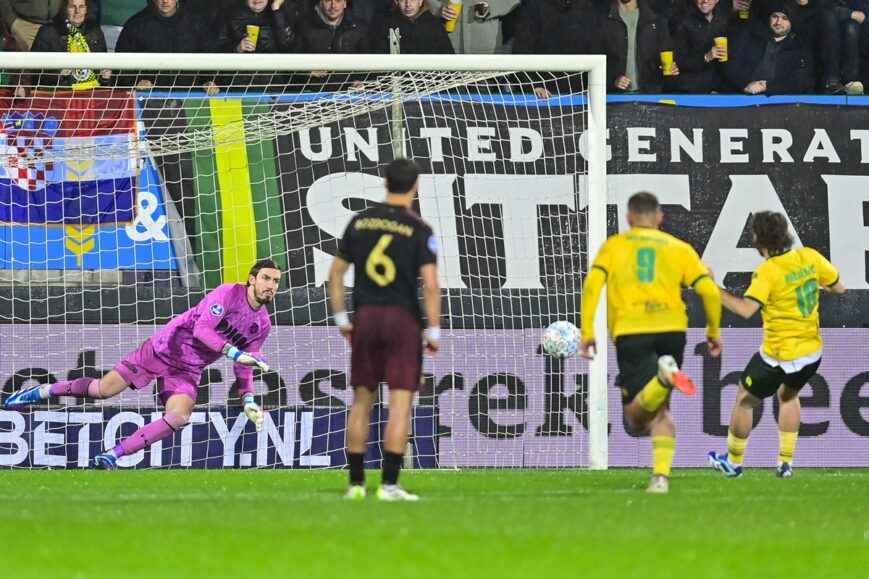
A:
479, 121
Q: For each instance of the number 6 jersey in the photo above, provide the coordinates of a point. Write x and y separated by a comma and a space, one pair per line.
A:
387, 245
786, 286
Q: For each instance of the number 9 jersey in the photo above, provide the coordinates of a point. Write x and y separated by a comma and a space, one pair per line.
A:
645, 271
787, 287
387, 245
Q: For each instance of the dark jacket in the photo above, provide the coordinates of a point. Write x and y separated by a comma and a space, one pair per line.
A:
275, 34
694, 36
555, 27
148, 31
424, 34
316, 36
653, 37
52, 37
792, 61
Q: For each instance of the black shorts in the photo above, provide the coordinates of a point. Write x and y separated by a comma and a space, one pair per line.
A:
763, 380
386, 347
638, 355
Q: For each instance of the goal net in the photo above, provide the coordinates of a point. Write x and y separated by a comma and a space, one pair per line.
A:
128, 191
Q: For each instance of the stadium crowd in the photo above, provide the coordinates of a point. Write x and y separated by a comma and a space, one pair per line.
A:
652, 46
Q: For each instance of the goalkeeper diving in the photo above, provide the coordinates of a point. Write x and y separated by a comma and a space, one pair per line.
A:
230, 321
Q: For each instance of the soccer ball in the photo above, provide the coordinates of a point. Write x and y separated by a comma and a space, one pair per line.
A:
561, 339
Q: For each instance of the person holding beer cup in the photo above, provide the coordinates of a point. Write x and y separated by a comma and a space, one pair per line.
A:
261, 26
700, 34
474, 26
256, 26
638, 46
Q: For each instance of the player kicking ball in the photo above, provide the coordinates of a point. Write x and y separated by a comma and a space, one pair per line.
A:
644, 270
230, 321
390, 247
785, 288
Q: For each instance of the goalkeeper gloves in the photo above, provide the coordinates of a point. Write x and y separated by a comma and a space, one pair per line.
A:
247, 358
253, 412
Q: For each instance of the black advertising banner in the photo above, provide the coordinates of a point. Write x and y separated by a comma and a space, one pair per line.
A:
507, 172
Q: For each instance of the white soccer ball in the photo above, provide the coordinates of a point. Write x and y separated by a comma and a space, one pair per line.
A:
561, 339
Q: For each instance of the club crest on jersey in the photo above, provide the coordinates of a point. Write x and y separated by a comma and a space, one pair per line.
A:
254, 328
217, 310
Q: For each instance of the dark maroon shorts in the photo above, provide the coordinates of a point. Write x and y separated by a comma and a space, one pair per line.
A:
386, 347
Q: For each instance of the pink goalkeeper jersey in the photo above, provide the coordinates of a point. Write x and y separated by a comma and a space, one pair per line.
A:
196, 338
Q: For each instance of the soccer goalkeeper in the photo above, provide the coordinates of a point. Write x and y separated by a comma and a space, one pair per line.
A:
645, 270
230, 321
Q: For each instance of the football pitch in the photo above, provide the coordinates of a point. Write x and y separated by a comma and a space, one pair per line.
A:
471, 523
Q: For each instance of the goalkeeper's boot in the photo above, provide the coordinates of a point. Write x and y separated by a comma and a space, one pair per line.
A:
105, 461
720, 462
355, 493
660, 485
669, 374
390, 493
24, 397
784, 470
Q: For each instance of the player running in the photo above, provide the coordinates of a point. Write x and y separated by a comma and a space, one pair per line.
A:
230, 321
645, 270
390, 247
785, 288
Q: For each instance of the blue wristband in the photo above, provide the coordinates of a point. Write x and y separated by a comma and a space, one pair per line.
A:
233, 353
248, 399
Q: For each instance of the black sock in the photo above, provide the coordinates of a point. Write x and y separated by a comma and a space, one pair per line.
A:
391, 467
356, 463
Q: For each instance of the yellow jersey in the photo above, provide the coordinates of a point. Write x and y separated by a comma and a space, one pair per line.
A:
786, 287
645, 271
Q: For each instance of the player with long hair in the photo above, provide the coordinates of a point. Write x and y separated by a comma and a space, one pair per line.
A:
785, 288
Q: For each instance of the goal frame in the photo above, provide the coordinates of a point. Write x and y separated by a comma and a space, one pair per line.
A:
594, 65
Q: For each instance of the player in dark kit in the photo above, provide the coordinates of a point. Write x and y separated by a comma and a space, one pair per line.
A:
390, 247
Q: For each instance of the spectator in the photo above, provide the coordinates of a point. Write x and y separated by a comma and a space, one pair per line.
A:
421, 31
73, 29
164, 26
331, 28
634, 36
479, 27
555, 27
261, 26
275, 32
770, 59
25, 17
832, 30
694, 32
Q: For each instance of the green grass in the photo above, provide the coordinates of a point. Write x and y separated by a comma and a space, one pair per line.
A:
474, 523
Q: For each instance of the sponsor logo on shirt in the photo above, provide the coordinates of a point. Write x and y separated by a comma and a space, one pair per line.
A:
433, 244
217, 310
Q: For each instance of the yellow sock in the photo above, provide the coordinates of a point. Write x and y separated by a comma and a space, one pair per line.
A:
663, 449
652, 395
735, 448
786, 443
